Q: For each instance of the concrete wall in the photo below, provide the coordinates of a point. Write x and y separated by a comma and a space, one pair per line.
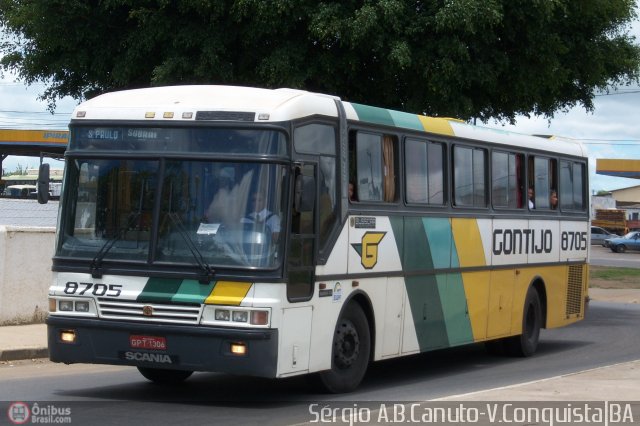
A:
631, 194
25, 273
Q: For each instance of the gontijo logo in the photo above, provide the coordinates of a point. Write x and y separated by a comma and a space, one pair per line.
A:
368, 248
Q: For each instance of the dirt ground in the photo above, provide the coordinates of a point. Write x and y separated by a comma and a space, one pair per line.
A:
619, 295
622, 288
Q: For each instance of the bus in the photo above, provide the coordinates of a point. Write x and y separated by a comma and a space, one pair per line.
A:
276, 233
19, 191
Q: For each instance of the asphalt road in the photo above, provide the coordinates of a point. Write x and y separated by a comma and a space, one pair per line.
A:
602, 256
108, 395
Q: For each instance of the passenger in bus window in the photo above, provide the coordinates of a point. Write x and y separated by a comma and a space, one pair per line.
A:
531, 196
553, 199
352, 192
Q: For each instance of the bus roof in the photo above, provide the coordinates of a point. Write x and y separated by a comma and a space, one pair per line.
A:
232, 103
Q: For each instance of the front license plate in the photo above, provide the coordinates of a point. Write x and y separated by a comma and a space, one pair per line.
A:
148, 342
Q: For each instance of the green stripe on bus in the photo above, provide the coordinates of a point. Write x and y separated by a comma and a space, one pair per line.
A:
159, 290
404, 119
426, 309
454, 308
440, 241
417, 254
373, 114
191, 291
397, 225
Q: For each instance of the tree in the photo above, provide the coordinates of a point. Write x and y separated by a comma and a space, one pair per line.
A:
460, 58
20, 170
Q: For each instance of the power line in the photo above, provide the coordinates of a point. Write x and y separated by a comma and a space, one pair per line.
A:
620, 142
630, 92
32, 112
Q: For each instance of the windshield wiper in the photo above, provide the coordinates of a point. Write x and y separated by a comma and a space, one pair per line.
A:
96, 263
207, 271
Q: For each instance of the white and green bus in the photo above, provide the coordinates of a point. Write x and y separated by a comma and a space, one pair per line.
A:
276, 233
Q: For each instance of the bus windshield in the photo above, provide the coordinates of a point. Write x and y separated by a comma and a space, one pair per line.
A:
225, 214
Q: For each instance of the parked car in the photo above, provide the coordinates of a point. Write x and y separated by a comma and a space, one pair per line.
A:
601, 235
631, 241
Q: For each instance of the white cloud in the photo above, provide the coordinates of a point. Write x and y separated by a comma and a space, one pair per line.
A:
20, 108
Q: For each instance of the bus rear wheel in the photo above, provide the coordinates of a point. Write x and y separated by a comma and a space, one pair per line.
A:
525, 344
162, 376
350, 353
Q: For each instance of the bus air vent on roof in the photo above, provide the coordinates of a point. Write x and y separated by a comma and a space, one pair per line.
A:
225, 116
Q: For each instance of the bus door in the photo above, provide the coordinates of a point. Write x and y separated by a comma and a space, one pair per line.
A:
296, 322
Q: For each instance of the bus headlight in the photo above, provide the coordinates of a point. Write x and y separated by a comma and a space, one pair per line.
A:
82, 306
240, 316
222, 315
237, 317
65, 306
72, 306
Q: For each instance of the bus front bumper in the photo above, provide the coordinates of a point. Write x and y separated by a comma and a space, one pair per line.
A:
192, 348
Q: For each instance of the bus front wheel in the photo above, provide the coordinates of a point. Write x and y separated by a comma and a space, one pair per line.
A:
158, 375
350, 352
525, 344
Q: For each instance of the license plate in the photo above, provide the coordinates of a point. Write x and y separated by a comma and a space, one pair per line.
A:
148, 342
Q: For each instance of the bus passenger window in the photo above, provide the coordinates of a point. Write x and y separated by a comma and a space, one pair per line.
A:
542, 176
507, 180
469, 171
424, 178
572, 186
375, 167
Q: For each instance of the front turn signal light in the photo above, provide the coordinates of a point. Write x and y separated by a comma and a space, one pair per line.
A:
259, 317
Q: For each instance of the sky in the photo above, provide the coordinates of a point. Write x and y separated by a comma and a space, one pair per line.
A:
610, 131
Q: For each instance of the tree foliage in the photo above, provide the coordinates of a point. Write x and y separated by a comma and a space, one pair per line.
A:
462, 58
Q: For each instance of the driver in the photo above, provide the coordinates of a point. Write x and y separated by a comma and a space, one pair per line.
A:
261, 215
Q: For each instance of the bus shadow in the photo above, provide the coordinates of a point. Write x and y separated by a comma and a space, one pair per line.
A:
438, 371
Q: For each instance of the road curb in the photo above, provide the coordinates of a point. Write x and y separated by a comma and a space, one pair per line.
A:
19, 354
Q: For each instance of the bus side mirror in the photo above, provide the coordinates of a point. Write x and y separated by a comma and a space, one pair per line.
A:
305, 193
42, 187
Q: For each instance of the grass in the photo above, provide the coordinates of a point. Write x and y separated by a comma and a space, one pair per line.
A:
605, 277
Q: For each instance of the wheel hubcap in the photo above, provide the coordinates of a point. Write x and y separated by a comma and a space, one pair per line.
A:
346, 346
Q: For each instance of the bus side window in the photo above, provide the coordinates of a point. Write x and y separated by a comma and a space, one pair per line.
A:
374, 167
302, 246
572, 186
424, 171
319, 139
469, 176
327, 202
543, 176
507, 180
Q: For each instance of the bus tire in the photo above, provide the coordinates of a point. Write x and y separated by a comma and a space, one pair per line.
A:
350, 352
168, 377
525, 344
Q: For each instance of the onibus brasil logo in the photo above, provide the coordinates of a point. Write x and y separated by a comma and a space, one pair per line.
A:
368, 248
